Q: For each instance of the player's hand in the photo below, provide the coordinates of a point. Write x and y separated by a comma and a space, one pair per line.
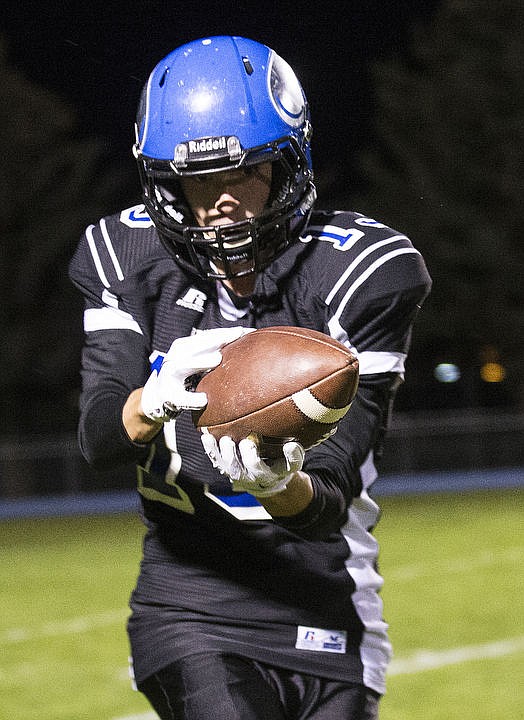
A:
246, 469
165, 393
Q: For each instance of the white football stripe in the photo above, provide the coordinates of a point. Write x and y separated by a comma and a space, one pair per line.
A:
315, 410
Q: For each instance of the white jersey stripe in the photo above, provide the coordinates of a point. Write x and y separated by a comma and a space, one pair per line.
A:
111, 250
96, 256
371, 362
370, 270
375, 648
337, 332
363, 255
109, 318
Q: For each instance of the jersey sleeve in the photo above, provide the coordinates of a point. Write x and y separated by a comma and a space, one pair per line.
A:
113, 340
372, 293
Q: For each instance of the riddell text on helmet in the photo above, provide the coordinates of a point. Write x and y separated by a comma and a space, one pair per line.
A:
198, 146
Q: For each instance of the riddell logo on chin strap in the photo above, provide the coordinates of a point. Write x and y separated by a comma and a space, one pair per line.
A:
207, 145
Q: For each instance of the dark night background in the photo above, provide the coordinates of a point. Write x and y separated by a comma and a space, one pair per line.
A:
418, 115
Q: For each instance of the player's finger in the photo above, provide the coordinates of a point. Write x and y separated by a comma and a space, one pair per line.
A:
250, 457
228, 451
210, 446
186, 400
294, 454
214, 339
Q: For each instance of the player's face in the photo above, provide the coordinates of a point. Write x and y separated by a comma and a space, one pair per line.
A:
230, 196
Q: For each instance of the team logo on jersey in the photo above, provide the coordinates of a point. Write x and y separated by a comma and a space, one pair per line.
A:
210, 148
193, 300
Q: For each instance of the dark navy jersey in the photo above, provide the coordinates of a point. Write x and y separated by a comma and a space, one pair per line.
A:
218, 572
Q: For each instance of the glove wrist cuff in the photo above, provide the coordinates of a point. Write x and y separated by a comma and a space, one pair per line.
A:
152, 407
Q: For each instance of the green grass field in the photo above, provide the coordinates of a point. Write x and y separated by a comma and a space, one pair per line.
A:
453, 597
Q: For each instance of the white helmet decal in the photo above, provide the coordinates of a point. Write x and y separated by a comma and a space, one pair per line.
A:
285, 91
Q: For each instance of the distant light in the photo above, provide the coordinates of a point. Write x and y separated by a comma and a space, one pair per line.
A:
447, 373
492, 372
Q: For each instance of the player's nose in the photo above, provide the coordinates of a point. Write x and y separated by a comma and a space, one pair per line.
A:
226, 203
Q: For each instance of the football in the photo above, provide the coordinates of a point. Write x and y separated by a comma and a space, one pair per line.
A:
278, 384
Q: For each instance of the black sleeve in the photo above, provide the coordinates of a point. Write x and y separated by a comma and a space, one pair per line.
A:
335, 465
377, 323
115, 355
114, 362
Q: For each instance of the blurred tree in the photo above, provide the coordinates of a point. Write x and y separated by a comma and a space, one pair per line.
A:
447, 167
53, 184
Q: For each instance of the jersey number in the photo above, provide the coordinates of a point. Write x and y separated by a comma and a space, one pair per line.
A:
162, 486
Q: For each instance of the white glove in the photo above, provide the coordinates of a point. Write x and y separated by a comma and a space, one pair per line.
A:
246, 469
165, 394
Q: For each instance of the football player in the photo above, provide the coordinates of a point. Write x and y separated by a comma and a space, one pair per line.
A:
258, 592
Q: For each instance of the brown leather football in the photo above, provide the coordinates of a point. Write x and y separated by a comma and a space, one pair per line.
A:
278, 384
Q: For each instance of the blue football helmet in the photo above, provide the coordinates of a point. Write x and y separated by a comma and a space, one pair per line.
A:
213, 105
